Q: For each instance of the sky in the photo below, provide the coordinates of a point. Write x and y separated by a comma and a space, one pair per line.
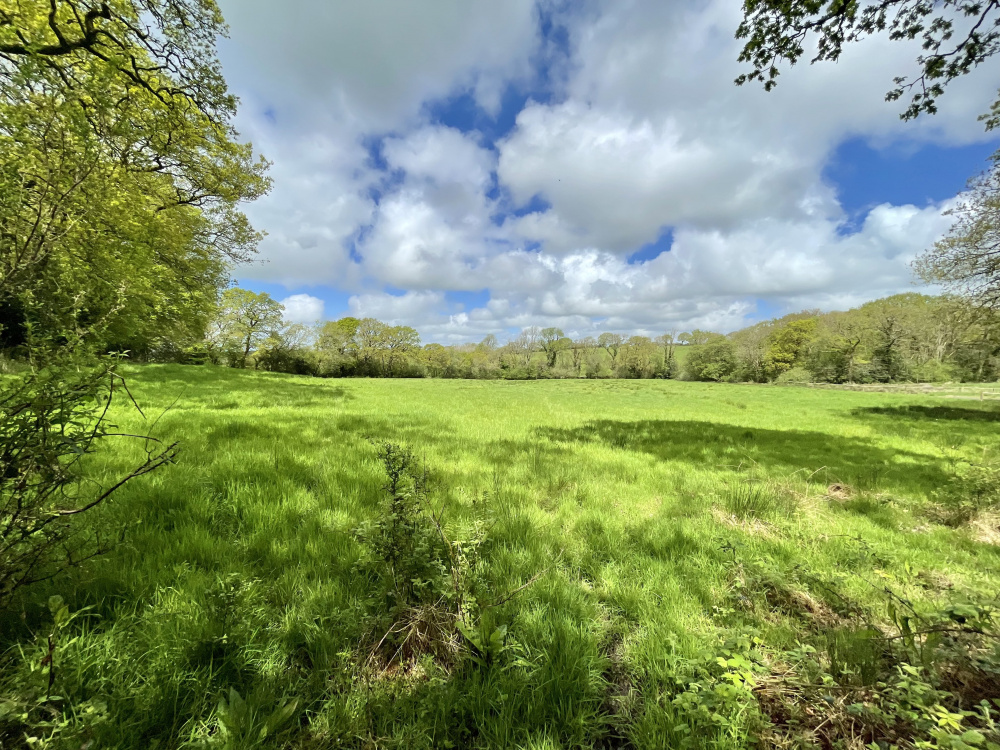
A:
470, 167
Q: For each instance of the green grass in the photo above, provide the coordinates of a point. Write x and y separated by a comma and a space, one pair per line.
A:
635, 502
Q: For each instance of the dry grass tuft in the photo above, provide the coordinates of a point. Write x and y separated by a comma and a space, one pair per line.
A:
840, 492
422, 630
985, 528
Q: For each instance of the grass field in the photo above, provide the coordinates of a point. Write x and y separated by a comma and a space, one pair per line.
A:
660, 526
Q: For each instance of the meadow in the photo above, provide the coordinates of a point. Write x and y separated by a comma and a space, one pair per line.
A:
644, 564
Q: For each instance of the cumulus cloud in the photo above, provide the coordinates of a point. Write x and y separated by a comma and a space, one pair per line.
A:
302, 308
639, 129
378, 61
614, 180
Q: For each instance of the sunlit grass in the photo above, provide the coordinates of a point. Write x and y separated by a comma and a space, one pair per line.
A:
634, 499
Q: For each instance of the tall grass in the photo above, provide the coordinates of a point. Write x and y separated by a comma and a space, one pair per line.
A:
237, 610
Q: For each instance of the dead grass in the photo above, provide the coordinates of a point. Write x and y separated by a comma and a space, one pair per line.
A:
985, 527
423, 630
753, 526
840, 492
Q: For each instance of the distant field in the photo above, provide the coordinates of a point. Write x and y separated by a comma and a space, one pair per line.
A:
641, 506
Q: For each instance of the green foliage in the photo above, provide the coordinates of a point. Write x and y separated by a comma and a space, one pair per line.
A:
239, 724
714, 360
243, 322
408, 554
787, 345
955, 36
965, 259
896, 339
973, 490
50, 424
120, 172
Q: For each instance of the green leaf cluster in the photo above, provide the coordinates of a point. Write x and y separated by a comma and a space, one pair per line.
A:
121, 174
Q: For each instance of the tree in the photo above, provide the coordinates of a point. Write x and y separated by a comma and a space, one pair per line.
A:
714, 360
397, 341
245, 319
750, 350
438, 360
526, 343
887, 363
669, 343
787, 345
549, 342
369, 341
120, 170
956, 36
833, 355
636, 359
612, 344
120, 181
696, 337
287, 348
337, 336
967, 259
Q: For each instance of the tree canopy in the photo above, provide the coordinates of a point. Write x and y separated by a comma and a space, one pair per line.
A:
967, 259
121, 173
955, 36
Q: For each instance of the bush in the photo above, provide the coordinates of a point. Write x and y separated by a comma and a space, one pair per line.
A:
715, 360
975, 489
424, 582
795, 375
50, 421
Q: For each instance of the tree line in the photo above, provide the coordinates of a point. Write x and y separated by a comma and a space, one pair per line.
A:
904, 338
907, 337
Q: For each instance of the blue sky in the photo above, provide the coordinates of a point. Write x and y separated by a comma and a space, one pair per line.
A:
473, 168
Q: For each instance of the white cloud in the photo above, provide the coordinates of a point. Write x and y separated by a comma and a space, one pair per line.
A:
614, 181
397, 309
441, 156
710, 279
376, 61
644, 130
302, 308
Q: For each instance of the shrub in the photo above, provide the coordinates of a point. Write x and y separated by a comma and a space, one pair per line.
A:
975, 489
795, 375
50, 421
424, 582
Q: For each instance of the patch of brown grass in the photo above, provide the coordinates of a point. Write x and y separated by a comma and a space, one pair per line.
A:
422, 630
840, 492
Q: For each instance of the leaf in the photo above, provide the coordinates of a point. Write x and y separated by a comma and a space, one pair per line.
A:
961, 613
278, 719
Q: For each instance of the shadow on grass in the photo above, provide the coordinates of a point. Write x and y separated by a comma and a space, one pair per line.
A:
936, 413
721, 446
